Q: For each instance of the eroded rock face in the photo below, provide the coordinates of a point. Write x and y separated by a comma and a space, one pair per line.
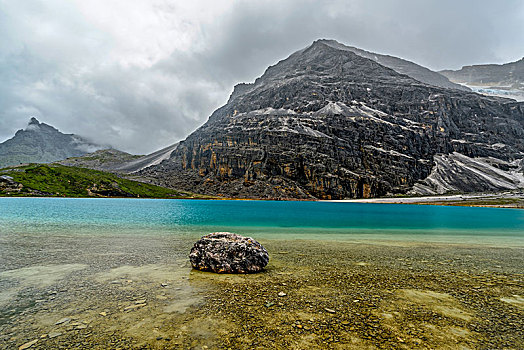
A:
327, 123
225, 252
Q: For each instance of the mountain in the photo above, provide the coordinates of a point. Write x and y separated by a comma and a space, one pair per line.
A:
402, 66
328, 123
42, 143
118, 161
505, 80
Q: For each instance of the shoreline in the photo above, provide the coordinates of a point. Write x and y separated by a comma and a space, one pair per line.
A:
510, 200
491, 200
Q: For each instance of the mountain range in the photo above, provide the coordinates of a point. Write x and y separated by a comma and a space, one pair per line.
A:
506, 80
332, 122
42, 143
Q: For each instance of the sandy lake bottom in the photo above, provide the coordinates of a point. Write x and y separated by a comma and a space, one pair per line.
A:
131, 291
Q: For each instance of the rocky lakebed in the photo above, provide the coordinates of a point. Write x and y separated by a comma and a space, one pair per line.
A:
113, 291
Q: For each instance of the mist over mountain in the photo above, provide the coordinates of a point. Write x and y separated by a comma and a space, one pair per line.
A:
329, 123
42, 143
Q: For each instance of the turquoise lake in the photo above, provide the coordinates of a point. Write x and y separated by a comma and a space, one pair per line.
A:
266, 219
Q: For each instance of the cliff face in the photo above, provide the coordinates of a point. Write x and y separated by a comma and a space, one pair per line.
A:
327, 123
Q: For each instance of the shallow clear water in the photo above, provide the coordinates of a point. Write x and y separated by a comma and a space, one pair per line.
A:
269, 219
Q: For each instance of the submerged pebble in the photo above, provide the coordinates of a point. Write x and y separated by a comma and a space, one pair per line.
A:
28, 344
63, 320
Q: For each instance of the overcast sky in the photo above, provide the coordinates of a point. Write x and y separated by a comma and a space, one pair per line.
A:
142, 74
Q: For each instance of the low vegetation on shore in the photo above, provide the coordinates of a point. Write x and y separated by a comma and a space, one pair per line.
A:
53, 180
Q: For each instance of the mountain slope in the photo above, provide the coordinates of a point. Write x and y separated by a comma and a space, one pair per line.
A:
505, 80
42, 143
118, 161
148, 160
104, 160
402, 66
328, 123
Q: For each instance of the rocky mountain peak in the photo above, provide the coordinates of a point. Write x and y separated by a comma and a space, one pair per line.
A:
33, 121
317, 69
42, 143
330, 59
35, 125
320, 56
329, 122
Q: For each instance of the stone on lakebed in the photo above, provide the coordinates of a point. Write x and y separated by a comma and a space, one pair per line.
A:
225, 252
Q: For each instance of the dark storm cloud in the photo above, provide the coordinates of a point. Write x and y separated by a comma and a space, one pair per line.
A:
141, 75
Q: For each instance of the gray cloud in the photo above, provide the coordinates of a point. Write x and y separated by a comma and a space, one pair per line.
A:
141, 75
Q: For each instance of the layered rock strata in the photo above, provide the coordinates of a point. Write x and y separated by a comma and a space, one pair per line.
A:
327, 123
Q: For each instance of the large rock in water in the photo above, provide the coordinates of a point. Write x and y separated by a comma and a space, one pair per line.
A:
225, 252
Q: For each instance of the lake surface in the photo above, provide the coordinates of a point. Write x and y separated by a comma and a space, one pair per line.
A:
115, 273
265, 219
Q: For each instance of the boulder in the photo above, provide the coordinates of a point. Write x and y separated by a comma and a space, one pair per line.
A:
225, 252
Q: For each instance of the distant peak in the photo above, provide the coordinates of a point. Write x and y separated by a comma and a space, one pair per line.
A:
35, 125
334, 45
326, 41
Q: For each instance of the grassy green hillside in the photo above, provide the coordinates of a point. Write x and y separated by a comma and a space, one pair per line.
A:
65, 181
